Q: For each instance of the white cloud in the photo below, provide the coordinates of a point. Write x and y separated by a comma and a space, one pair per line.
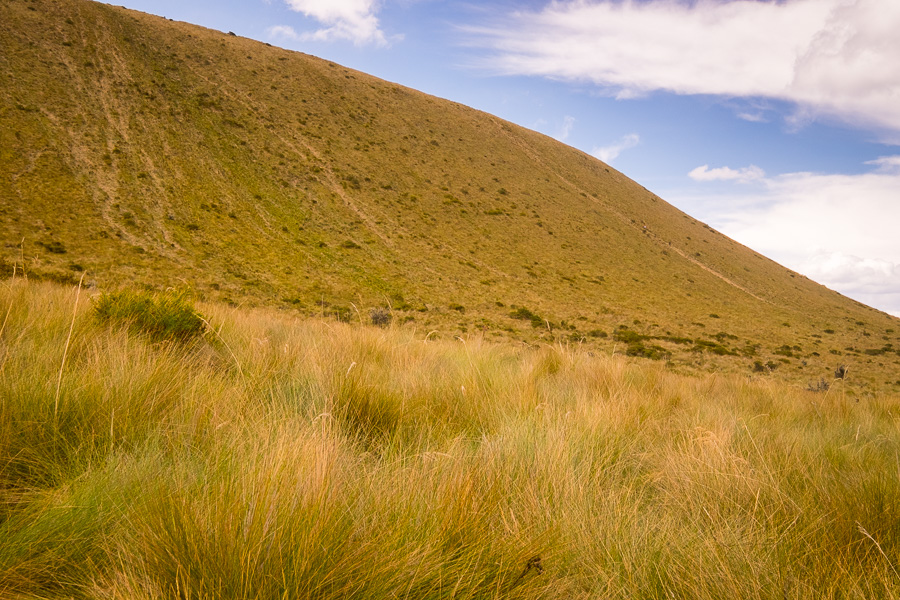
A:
752, 117
611, 152
871, 281
568, 124
839, 230
353, 20
283, 31
743, 175
831, 57
886, 164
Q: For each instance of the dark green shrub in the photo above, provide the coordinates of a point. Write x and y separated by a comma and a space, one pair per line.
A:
524, 314
677, 339
380, 317
54, 247
652, 352
713, 347
164, 317
628, 336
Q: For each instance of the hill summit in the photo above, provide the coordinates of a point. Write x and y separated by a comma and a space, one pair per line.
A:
142, 151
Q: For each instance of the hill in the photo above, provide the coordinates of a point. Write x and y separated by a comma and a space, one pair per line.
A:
141, 151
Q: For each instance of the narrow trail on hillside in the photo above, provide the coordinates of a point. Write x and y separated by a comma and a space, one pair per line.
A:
106, 178
535, 157
334, 185
331, 179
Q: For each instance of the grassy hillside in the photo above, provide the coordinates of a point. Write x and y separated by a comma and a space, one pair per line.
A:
279, 457
147, 152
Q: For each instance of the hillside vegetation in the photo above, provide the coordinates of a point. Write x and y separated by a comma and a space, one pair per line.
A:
268, 456
146, 152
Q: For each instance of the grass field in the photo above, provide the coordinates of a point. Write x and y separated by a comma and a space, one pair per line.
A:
276, 457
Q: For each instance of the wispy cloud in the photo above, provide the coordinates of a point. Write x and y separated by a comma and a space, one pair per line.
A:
886, 164
756, 117
742, 175
568, 124
611, 152
840, 230
829, 57
351, 20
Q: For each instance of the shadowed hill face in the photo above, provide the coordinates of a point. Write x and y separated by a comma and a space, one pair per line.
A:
156, 153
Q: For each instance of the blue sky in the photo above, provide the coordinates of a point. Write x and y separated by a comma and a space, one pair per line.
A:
776, 122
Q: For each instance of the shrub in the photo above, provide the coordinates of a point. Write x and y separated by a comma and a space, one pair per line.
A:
818, 386
524, 314
714, 347
54, 247
380, 317
653, 352
165, 317
628, 336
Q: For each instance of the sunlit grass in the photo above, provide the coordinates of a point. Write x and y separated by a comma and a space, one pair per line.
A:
286, 458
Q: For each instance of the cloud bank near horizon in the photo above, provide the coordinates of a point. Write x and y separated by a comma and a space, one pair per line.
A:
830, 58
839, 230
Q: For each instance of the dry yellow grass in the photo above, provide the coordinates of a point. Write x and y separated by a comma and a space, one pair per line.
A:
343, 461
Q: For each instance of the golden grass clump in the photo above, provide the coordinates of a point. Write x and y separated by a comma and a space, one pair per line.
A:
288, 458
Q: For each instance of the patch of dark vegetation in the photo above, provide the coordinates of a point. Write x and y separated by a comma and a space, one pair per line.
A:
398, 302
676, 339
788, 351
523, 314
712, 347
749, 349
350, 245
54, 247
161, 317
760, 367
653, 352
818, 386
352, 181
886, 349
623, 334
380, 317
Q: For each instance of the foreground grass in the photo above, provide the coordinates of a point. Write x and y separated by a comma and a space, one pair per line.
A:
278, 458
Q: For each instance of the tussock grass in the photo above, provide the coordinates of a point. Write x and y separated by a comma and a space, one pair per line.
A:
286, 458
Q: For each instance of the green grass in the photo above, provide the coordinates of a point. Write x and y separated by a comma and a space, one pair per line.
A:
304, 458
165, 317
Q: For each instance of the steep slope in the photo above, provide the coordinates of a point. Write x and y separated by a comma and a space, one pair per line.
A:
144, 151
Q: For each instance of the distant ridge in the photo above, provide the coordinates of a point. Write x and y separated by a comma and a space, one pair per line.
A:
156, 153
